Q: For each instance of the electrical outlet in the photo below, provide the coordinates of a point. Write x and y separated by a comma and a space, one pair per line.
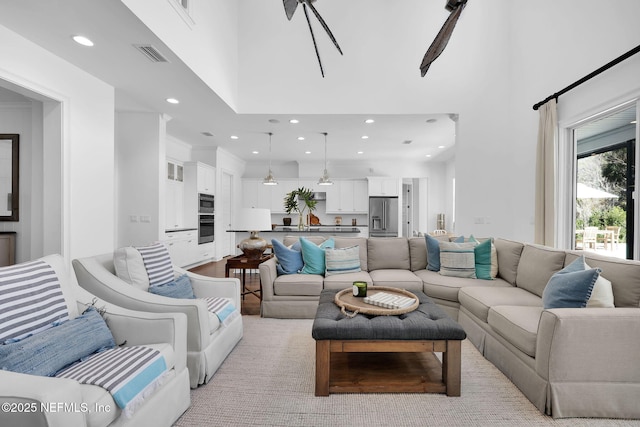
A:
478, 220
133, 218
145, 218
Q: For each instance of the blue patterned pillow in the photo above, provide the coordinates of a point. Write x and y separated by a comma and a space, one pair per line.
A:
47, 352
179, 288
313, 256
343, 260
289, 260
570, 287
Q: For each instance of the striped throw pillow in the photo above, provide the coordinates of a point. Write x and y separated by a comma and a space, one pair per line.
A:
343, 260
31, 300
157, 262
458, 259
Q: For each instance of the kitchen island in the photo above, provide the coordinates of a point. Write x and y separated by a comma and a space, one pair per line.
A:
315, 230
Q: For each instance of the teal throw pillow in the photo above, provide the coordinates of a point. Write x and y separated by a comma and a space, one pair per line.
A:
179, 288
433, 253
313, 256
289, 259
483, 260
47, 352
570, 287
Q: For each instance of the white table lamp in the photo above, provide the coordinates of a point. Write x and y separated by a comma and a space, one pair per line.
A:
253, 220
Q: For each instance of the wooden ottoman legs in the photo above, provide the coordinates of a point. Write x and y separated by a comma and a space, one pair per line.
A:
323, 367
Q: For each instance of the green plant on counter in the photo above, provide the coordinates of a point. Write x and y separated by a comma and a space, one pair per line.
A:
299, 201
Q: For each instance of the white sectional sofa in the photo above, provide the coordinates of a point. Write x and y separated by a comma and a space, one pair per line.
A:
569, 362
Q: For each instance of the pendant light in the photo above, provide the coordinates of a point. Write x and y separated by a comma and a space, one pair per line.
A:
269, 179
324, 179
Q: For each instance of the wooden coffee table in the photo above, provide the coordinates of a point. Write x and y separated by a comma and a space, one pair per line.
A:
344, 365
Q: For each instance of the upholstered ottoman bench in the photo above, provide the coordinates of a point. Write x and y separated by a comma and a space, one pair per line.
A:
404, 347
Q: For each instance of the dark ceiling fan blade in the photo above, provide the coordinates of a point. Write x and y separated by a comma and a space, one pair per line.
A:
290, 7
441, 40
324, 25
315, 46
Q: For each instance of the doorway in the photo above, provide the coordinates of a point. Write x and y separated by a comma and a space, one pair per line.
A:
605, 182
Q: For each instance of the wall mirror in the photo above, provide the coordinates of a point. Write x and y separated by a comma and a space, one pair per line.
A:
9, 176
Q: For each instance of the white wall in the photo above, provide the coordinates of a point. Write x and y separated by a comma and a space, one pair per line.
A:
141, 165
82, 111
207, 43
554, 44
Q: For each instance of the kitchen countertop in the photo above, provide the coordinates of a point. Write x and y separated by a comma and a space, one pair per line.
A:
174, 230
312, 229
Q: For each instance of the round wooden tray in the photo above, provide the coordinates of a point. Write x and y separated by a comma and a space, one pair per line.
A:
347, 301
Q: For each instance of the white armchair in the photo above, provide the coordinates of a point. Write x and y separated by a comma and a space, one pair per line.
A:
208, 342
31, 400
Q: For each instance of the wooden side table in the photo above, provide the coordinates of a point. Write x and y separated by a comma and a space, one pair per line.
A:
243, 263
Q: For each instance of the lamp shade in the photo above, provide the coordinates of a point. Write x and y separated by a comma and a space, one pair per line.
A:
253, 219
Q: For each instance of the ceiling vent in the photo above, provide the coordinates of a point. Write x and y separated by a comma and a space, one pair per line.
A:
151, 53
407, 142
207, 133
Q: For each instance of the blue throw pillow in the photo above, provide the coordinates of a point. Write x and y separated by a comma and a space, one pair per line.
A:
570, 287
289, 260
47, 352
179, 288
313, 256
433, 253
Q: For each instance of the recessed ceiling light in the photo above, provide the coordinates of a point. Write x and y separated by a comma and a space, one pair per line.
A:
440, 146
301, 138
255, 152
307, 152
234, 137
360, 152
172, 101
369, 121
82, 40
364, 137
428, 155
294, 121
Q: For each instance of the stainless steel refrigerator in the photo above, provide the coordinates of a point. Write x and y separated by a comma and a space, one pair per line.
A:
383, 216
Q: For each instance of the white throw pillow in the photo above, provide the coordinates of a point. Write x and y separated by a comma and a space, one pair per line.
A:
602, 293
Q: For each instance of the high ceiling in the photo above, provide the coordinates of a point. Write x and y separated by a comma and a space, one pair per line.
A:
201, 117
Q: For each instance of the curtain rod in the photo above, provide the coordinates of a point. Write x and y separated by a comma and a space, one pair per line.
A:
589, 76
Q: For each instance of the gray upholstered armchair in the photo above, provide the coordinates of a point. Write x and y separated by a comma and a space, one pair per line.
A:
30, 399
209, 342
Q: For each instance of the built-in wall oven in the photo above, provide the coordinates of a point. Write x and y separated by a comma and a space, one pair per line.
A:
206, 203
205, 228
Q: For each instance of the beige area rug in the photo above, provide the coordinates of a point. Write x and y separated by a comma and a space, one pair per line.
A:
269, 380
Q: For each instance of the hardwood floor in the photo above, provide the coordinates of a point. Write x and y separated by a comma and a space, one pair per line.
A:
250, 303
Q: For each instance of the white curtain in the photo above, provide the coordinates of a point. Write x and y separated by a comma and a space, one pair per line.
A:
545, 221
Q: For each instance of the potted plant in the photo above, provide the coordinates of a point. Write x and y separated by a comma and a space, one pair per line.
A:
299, 201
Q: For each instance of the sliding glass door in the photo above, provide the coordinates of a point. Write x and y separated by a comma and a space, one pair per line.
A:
605, 164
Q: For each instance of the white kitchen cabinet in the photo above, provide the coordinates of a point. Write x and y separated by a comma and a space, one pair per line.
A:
279, 192
347, 196
182, 246
379, 186
174, 201
174, 195
206, 176
255, 194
